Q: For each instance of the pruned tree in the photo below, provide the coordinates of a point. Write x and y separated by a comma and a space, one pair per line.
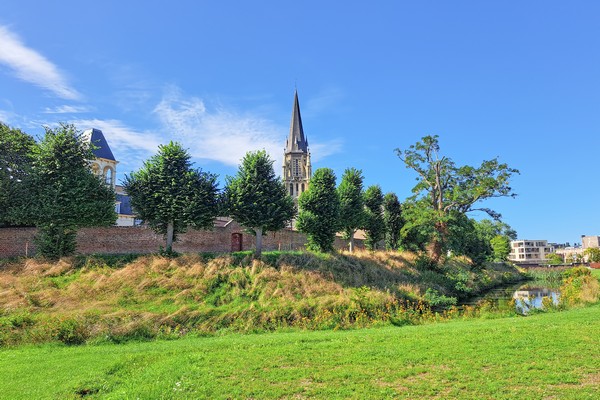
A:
352, 213
392, 219
170, 195
60, 194
16, 152
319, 211
257, 199
374, 222
445, 190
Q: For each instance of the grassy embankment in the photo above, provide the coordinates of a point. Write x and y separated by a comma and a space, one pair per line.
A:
120, 298
544, 356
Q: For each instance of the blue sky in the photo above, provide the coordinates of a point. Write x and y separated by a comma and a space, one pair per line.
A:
514, 80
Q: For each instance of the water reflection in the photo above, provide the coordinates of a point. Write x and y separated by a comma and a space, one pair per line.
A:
524, 297
530, 298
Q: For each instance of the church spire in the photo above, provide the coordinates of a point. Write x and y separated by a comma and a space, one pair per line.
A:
296, 141
297, 169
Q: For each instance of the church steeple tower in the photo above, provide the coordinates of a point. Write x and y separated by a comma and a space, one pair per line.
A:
297, 169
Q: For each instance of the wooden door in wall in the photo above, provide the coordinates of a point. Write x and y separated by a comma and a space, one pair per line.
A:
236, 242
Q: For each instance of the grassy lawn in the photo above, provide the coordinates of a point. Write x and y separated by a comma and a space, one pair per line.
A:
548, 355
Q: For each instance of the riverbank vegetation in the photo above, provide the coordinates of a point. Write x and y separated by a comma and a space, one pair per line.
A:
121, 298
80, 299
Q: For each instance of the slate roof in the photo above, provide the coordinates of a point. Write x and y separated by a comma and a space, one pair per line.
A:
96, 137
125, 207
296, 141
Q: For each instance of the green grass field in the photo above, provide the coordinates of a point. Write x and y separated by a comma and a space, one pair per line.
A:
544, 356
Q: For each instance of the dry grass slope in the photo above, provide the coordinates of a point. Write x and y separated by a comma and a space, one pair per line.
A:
75, 300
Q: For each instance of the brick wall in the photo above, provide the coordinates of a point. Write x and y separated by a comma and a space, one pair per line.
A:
119, 240
16, 242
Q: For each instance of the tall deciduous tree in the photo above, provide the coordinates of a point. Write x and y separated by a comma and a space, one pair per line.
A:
257, 199
352, 214
16, 151
170, 195
374, 223
319, 208
444, 190
61, 194
392, 218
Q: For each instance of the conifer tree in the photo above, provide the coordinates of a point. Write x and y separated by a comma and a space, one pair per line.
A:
257, 199
352, 214
170, 195
374, 224
392, 217
319, 211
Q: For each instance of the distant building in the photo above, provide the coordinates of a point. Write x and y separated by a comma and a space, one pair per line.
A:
589, 242
529, 251
105, 167
105, 164
572, 254
297, 169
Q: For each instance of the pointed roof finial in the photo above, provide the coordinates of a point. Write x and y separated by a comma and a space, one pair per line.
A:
296, 140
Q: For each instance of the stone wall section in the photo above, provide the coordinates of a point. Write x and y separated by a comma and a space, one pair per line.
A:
18, 242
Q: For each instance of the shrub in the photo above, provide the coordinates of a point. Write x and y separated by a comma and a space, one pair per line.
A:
72, 332
435, 299
576, 272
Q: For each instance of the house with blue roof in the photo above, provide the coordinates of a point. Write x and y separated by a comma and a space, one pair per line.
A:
105, 167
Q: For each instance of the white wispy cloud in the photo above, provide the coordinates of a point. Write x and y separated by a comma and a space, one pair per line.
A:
130, 147
67, 109
321, 150
122, 137
30, 66
6, 116
220, 135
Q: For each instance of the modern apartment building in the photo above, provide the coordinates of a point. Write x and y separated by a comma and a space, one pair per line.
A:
529, 251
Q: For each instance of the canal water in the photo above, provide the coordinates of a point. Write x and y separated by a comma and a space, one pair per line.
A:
526, 296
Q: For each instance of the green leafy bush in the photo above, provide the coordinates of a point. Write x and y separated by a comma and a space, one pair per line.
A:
435, 299
72, 332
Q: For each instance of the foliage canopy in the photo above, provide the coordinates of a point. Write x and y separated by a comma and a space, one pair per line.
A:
445, 191
16, 149
319, 207
257, 199
170, 195
352, 213
374, 225
60, 194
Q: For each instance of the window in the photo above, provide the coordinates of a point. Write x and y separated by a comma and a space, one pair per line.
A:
296, 167
291, 189
302, 188
108, 176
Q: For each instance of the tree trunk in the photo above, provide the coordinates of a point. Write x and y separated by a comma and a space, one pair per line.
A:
170, 229
258, 232
436, 246
434, 250
352, 242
